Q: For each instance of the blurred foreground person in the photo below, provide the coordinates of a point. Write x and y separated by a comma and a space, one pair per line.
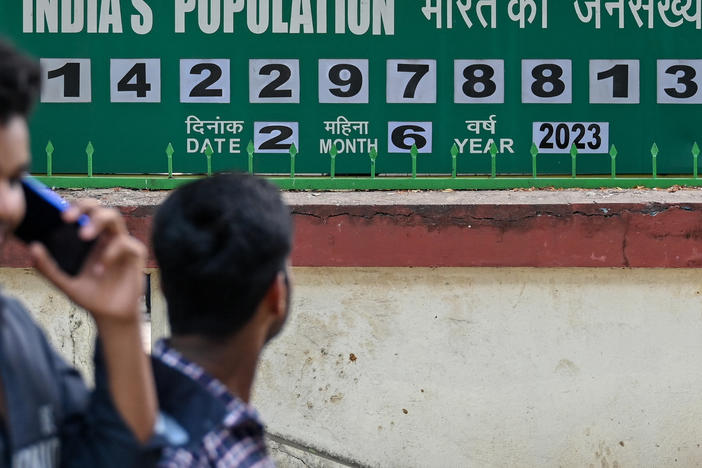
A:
48, 417
223, 246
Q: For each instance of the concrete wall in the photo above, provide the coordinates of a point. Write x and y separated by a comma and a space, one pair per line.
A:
69, 328
468, 366
490, 367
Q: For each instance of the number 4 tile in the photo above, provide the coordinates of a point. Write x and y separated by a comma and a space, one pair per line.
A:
135, 80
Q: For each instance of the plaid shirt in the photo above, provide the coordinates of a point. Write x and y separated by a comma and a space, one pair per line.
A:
237, 441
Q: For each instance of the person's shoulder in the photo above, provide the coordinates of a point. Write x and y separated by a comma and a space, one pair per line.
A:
221, 447
181, 457
242, 445
220, 430
187, 405
12, 306
18, 323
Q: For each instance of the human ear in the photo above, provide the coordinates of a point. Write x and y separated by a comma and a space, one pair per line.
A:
277, 296
277, 304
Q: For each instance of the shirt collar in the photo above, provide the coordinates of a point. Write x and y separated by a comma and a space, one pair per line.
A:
237, 410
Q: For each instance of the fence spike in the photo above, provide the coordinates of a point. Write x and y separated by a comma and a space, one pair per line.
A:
493, 160
169, 155
373, 155
49, 158
454, 154
695, 154
90, 150
293, 153
534, 153
574, 160
332, 153
654, 158
209, 152
613, 154
414, 152
250, 151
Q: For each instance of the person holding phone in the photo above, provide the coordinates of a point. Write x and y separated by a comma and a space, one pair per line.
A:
48, 417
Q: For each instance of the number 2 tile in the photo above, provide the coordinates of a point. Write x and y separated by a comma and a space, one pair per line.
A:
204, 80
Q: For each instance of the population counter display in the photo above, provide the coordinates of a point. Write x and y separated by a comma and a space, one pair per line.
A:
353, 77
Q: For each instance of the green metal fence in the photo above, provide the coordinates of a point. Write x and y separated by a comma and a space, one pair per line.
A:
373, 181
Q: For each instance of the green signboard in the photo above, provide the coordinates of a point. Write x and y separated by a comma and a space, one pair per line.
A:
352, 76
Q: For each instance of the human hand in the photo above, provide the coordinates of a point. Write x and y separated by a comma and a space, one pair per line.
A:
111, 283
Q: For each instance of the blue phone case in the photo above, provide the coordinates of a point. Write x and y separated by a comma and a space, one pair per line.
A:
42, 222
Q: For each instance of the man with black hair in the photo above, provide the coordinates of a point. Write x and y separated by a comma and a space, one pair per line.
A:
48, 418
223, 245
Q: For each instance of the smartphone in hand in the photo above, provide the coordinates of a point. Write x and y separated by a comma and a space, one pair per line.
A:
42, 222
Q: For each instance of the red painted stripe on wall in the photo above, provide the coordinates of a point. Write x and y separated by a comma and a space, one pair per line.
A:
589, 235
514, 235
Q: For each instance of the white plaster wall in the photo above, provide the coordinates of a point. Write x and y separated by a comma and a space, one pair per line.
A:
68, 327
495, 367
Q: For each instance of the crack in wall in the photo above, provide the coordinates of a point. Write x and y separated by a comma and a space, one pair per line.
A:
73, 328
280, 447
417, 211
518, 217
314, 451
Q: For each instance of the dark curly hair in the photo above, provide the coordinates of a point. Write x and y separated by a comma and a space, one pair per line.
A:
19, 82
220, 243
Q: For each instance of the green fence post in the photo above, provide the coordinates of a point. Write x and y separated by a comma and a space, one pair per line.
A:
493, 157
573, 161
169, 155
413, 154
454, 153
89, 150
209, 152
613, 154
293, 153
695, 154
332, 154
373, 155
250, 151
534, 153
654, 160
49, 158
